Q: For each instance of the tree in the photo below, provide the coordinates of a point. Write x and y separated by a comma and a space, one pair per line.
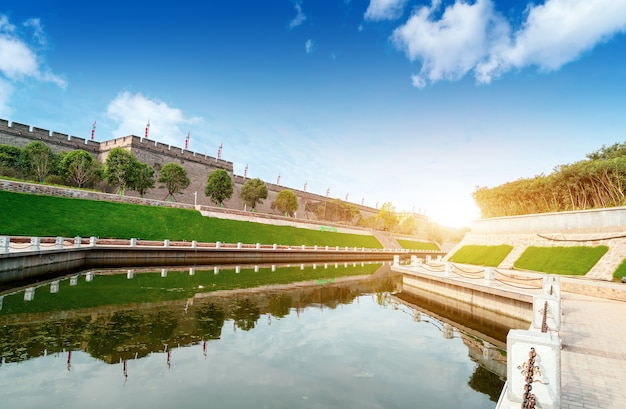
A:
39, 159
219, 187
144, 179
388, 216
78, 167
286, 202
253, 192
10, 160
174, 179
120, 169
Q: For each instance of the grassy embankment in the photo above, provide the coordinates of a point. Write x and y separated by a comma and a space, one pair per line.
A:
488, 256
49, 216
418, 245
552, 260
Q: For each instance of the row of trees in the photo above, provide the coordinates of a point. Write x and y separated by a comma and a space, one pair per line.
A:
598, 181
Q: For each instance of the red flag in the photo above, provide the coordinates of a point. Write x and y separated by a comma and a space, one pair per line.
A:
93, 129
147, 128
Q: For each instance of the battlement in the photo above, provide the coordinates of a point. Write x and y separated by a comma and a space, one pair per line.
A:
56, 140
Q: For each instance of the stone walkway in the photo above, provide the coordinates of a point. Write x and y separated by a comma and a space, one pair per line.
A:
593, 357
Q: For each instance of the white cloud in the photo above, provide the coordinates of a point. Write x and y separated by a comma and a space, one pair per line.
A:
19, 60
309, 46
385, 9
132, 113
299, 18
474, 37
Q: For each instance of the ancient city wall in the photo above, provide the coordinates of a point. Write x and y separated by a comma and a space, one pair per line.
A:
157, 154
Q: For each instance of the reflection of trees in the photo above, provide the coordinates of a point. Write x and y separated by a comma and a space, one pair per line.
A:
280, 305
246, 313
22, 342
209, 321
486, 382
121, 335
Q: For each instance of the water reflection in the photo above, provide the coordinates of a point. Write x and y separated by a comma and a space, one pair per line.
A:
330, 341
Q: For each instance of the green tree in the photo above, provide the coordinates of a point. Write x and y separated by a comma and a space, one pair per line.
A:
174, 179
78, 167
219, 186
388, 216
286, 202
39, 160
253, 192
120, 169
10, 160
144, 179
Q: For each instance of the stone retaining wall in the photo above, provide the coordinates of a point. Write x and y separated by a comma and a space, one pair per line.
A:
603, 270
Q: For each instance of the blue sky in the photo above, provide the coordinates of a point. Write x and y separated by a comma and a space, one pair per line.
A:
410, 102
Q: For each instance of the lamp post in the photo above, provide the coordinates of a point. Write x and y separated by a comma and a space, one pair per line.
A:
195, 198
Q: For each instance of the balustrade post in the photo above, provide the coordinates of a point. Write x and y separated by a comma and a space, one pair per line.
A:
164, 272
133, 242
396, 260
194, 244
315, 247
4, 244
218, 244
239, 245
77, 241
34, 243
258, 246
58, 242
166, 243
192, 271
130, 274
534, 368
92, 241
488, 275
275, 246
546, 312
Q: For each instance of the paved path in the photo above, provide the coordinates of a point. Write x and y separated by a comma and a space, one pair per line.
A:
593, 358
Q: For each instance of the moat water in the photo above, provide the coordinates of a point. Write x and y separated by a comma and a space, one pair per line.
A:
244, 337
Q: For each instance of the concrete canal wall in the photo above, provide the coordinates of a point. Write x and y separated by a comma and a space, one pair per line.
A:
46, 257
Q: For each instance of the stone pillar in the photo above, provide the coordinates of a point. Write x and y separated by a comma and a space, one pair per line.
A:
54, 287
447, 272
73, 280
218, 244
130, 274
239, 245
258, 246
194, 244
396, 260
274, 246
133, 242
192, 271
545, 370
34, 243
303, 247
166, 243
413, 261
216, 270
428, 259
4, 244
273, 268
326, 248
552, 285
552, 314
92, 241
489, 275
77, 241
238, 269
89, 276
256, 269
448, 331
315, 247
164, 272
58, 242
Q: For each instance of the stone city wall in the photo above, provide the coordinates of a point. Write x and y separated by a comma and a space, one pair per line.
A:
157, 154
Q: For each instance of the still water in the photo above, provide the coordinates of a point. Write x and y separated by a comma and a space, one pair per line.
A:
315, 336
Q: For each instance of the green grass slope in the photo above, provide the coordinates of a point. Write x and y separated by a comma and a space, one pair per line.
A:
50, 216
417, 245
489, 256
577, 260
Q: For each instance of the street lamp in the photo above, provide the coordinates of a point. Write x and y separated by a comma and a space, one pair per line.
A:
195, 198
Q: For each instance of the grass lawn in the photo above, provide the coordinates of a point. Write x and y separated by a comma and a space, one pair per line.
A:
488, 256
418, 245
576, 260
50, 216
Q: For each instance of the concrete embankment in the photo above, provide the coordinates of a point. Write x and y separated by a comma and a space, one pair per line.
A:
38, 259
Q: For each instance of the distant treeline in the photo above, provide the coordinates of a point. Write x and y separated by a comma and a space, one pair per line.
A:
598, 181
